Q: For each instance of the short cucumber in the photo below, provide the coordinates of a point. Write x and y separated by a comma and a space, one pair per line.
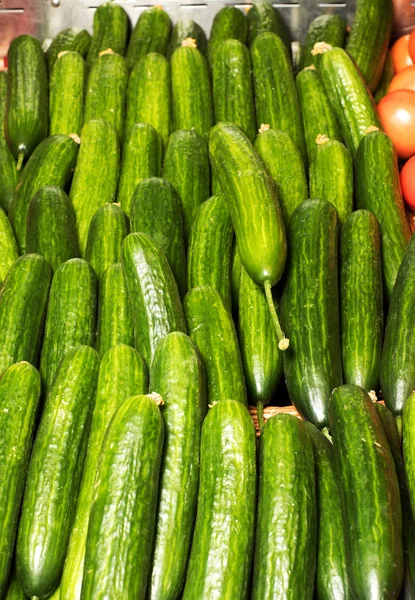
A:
262, 17
8, 246
8, 172
183, 29
229, 23
151, 34
387, 76
72, 39
330, 29
67, 92
110, 31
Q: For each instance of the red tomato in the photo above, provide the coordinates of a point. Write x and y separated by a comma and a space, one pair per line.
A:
400, 53
397, 113
408, 182
404, 80
412, 45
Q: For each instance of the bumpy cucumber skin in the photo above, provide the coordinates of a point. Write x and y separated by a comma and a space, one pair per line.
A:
229, 23
72, 39
8, 172
110, 31
183, 29
325, 28
9, 252
264, 18
151, 34
67, 92
387, 76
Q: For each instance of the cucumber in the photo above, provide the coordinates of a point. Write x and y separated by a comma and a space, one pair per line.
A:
23, 300
51, 226
177, 374
26, 119
191, 91
312, 364
387, 76
96, 175
19, 399
236, 269
120, 533
114, 319
285, 164
51, 163
225, 507
122, 374
276, 98
106, 91
67, 92
262, 17
286, 530
156, 211
70, 318
141, 158
330, 29
361, 300
187, 28
148, 96
186, 166
72, 39
55, 472
229, 23
331, 176
369, 494
8, 246
232, 87
14, 590
151, 34
110, 31
8, 172
212, 330
153, 293
368, 40
108, 228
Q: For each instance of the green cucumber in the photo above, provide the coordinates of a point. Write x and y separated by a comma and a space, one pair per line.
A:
369, 495
186, 166
151, 34
187, 28
19, 399
148, 96
232, 87
8, 172
236, 269
110, 31
387, 76
123, 514
14, 590
361, 300
55, 473
229, 23
156, 211
26, 119
51, 226
122, 374
153, 293
8, 246
67, 92
310, 310
330, 29
72, 39
114, 319
262, 17
96, 175
51, 163
331, 176
226, 504
286, 530
211, 328
177, 374
285, 164
276, 98
368, 40
23, 300
141, 158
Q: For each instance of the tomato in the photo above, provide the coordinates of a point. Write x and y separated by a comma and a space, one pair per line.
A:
400, 53
408, 182
412, 46
404, 80
397, 113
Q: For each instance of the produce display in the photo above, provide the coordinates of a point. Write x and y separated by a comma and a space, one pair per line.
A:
207, 325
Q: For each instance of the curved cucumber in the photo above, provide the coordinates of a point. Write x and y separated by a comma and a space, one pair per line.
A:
8, 172
110, 31
229, 23
186, 28
262, 17
330, 29
72, 39
67, 92
151, 34
8, 246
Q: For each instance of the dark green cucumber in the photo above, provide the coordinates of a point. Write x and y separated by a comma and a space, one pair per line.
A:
55, 473
232, 87
8, 246
120, 532
229, 23
186, 166
153, 293
330, 29
286, 530
310, 310
67, 91
114, 319
368, 40
51, 163
156, 211
225, 506
141, 158
72, 39
14, 590
331, 176
70, 318
8, 172
276, 98
361, 300
23, 300
122, 374
96, 175
51, 226
26, 119
187, 28
177, 374
151, 34
108, 228
110, 31
211, 328
210, 249
262, 17
19, 399
351, 101
387, 76
236, 268
285, 164
191, 91
369, 493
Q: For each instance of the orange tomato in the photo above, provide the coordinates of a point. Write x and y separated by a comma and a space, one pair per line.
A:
404, 80
411, 46
397, 113
408, 182
400, 53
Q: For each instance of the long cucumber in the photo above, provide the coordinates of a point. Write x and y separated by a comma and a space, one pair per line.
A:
67, 93
151, 34
110, 31
8, 171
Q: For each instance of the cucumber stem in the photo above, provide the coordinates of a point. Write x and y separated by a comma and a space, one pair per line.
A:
283, 342
260, 415
20, 160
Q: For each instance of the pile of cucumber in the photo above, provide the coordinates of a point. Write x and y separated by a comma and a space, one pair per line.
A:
189, 226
